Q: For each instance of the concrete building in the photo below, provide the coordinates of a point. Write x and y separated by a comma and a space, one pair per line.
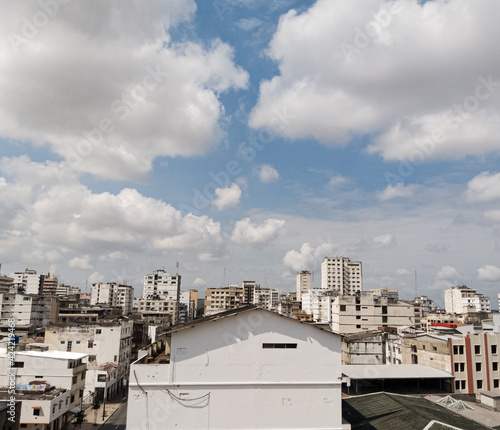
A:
303, 283
162, 285
10, 412
365, 311
318, 304
386, 292
460, 299
5, 284
108, 346
426, 305
159, 311
223, 299
365, 348
67, 290
36, 372
242, 369
113, 294
27, 310
342, 275
48, 284
473, 359
27, 282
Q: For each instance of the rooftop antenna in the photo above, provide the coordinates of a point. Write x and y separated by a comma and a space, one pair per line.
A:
224, 283
416, 295
265, 276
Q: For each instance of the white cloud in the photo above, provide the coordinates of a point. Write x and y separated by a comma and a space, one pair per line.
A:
113, 256
484, 187
402, 272
489, 273
134, 94
384, 68
398, 190
309, 257
493, 215
447, 277
227, 197
268, 173
336, 180
246, 232
80, 262
249, 23
384, 241
95, 277
199, 283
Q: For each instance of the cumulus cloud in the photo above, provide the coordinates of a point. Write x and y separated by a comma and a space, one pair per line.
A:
336, 180
95, 277
249, 23
493, 215
489, 273
80, 262
199, 283
246, 232
113, 256
447, 277
134, 93
384, 241
484, 187
398, 190
268, 173
227, 197
384, 69
309, 257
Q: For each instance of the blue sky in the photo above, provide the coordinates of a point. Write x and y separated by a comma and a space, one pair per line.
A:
250, 139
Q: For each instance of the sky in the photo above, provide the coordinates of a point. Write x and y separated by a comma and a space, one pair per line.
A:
234, 140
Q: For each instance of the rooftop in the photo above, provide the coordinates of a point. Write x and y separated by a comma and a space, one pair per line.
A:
385, 371
61, 355
34, 395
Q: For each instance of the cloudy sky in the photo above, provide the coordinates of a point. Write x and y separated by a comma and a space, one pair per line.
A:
248, 139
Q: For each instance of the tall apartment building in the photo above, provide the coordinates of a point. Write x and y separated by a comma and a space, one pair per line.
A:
366, 311
108, 345
48, 284
318, 304
460, 299
425, 303
303, 283
5, 284
26, 309
27, 282
67, 290
162, 285
342, 275
223, 299
114, 295
473, 358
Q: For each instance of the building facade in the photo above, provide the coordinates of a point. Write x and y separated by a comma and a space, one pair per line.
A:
113, 294
222, 299
27, 282
462, 299
342, 275
303, 283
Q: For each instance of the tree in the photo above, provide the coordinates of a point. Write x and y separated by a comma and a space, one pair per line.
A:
95, 406
79, 419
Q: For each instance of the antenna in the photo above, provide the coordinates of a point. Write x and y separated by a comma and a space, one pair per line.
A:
265, 276
416, 295
224, 283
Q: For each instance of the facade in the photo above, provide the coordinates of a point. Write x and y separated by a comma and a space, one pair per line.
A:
108, 346
342, 275
48, 284
318, 304
5, 284
386, 292
365, 348
222, 299
27, 282
114, 295
303, 283
158, 311
231, 367
27, 310
426, 304
162, 285
462, 299
67, 290
365, 311
473, 359
35, 373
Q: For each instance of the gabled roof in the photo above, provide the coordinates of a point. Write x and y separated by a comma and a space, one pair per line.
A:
384, 411
235, 312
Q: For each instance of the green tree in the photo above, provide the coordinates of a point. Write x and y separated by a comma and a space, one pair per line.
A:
79, 419
95, 406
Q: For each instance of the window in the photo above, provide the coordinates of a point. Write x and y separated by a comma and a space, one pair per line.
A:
115, 358
495, 383
462, 385
495, 365
457, 385
38, 376
358, 317
75, 379
279, 346
83, 376
101, 378
342, 308
36, 411
461, 349
477, 349
91, 358
479, 384
72, 398
97, 331
434, 348
462, 367
456, 369
358, 307
18, 364
63, 342
455, 349
493, 349
423, 346
358, 325
90, 344
478, 367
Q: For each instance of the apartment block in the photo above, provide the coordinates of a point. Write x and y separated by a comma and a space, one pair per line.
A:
28, 310
162, 285
67, 290
27, 282
303, 283
114, 295
318, 304
366, 311
5, 284
342, 275
48, 284
462, 299
108, 346
223, 299
159, 311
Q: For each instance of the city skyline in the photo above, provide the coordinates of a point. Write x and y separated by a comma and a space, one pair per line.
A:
248, 141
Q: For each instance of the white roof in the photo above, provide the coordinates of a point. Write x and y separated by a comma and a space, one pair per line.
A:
61, 355
393, 371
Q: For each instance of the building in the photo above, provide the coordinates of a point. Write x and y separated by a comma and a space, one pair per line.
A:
386, 292
159, 311
342, 275
28, 310
48, 284
365, 311
108, 346
114, 295
67, 290
460, 299
364, 348
10, 413
50, 385
318, 304
303, 283
223, 299
426, 305
230, 374
473, 359
162, 285
5, 284
27, 282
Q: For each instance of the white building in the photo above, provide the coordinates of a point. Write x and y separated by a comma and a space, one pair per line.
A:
35, 373
158, 311
113, 294
366, 311
462, 299
386, 292
27, 282
67, 290
223, 299
26, 309
342, 275
108, 346
318, 303
426, 305
242, 369
303, 283
162, 285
